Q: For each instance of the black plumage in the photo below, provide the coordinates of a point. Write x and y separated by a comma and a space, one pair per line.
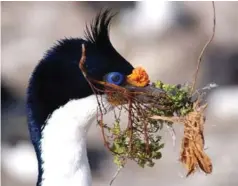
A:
58, 79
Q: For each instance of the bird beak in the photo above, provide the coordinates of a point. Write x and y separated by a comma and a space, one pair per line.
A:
137, 86
145, 94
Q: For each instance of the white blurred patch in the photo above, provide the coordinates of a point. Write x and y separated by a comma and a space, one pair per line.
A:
20, 162
224, 103
148, 17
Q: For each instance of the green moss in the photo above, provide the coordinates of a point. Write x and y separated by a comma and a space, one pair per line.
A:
180, 100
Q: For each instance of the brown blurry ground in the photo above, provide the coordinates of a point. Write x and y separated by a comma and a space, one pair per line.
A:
30, 28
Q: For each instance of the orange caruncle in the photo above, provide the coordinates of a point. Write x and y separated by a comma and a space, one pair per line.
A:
138, 77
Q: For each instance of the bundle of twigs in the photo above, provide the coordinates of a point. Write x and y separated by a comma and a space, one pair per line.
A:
140, 141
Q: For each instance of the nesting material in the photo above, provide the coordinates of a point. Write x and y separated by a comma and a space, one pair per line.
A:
140, 140
192, 148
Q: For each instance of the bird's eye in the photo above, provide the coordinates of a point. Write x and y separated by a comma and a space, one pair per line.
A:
115, 78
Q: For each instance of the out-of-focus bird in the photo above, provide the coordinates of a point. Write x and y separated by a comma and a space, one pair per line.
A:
153, 17
61, 105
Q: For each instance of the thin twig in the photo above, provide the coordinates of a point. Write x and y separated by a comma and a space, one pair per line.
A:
81, 66
204, 48
115, 175
169, 119
146, 137
130, 126
172, 133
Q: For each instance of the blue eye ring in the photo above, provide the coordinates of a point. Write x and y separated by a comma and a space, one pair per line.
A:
116, 78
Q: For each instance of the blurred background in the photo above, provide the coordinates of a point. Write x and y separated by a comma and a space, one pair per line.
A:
166, 38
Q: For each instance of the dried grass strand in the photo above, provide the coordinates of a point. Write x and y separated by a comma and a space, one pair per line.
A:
204, 48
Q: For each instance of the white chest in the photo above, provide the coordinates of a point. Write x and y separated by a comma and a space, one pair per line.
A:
63, 143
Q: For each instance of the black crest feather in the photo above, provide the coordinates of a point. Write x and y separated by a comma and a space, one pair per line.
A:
98, 31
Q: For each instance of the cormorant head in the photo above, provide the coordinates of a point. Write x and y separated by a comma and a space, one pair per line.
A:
57, 78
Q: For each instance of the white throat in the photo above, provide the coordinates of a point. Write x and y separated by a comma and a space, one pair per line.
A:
63, 144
